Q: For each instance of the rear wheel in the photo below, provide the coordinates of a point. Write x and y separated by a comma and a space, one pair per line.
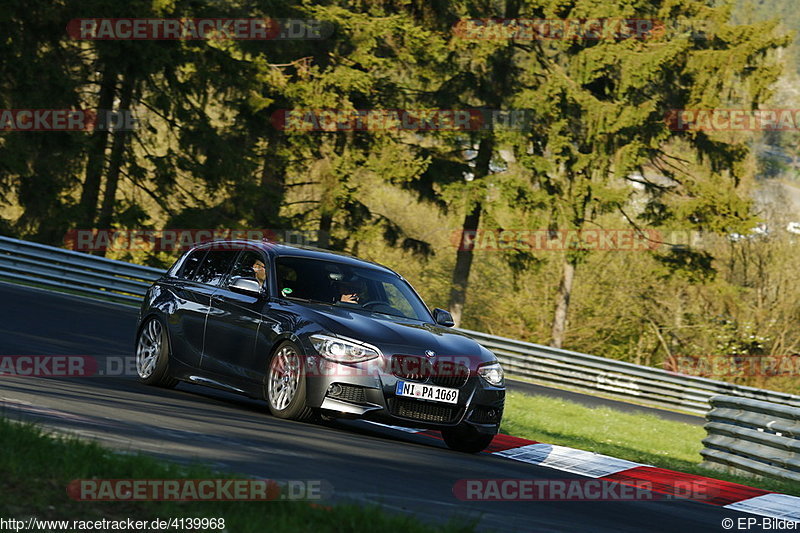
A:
465, 438
152, 355
286, 384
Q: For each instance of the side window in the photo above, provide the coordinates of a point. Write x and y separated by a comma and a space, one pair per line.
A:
251, 265
287, 279
190, 264
215, 267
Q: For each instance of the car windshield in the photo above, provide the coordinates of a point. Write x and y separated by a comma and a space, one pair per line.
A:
348, 286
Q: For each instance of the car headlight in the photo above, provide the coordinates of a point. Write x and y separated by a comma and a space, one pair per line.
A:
493, 373
343, 351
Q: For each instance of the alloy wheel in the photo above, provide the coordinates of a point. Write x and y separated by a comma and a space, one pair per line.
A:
284, 378
148, 349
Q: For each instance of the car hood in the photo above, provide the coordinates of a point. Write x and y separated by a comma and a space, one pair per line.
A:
398, 336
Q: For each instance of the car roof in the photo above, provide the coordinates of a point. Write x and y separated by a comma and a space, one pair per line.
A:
276, 249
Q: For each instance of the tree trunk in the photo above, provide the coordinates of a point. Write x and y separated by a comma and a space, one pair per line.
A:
118, 147
562, 302
272, 186
458, 292
97, 151
325, 223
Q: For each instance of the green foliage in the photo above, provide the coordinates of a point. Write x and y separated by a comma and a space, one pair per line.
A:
596, 152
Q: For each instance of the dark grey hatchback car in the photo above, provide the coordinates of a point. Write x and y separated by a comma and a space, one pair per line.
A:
312, 331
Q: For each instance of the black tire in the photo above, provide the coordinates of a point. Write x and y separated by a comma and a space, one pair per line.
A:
152, 354
465, 438
287, 401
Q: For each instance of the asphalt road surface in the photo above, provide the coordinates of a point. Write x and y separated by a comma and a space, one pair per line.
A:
361, 462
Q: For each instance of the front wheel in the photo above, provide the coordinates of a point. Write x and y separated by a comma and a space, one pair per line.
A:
465, 438
286, 384
152, 355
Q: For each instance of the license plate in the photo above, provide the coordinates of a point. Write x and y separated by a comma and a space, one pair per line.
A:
426, 392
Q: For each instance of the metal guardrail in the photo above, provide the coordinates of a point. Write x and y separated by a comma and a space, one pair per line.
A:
74, 271
618, 379
99, 277
753, 436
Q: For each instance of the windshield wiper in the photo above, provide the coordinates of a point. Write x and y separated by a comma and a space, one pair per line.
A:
379, 312
391, 314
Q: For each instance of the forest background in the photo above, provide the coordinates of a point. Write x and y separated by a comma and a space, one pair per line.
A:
589, 148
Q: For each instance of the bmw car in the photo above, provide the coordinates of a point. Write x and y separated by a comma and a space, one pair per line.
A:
317, 333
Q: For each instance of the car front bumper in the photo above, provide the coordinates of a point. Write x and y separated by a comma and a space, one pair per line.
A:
353, 392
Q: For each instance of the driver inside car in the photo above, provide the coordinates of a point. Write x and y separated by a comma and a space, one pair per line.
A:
348, 293
260, 270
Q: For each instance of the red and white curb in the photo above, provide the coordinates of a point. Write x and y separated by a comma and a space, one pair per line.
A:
725, 494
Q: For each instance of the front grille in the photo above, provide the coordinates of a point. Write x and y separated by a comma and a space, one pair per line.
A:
486, 415
423, 411
449, 374
442, 373
347, 393
411, 367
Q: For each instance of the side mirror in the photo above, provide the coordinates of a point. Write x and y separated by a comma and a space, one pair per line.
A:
443, 318
247, 286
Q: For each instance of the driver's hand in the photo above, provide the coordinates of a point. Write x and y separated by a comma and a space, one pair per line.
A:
349, 298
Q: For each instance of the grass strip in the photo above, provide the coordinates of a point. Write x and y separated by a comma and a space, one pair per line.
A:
36, 468
641, 438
